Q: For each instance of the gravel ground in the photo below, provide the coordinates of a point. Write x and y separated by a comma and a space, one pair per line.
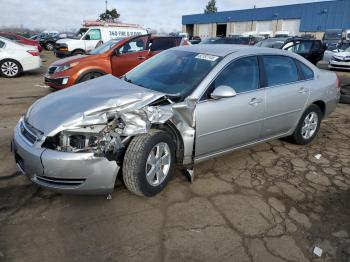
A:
272, 202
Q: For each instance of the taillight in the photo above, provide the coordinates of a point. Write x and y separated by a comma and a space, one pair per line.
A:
33, 52
338, 82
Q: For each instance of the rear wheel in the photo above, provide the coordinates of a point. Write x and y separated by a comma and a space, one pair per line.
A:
148, 163
10, 68
49, 46
308, 126
89, 76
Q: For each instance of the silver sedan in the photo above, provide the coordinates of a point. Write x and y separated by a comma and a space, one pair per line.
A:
185, 105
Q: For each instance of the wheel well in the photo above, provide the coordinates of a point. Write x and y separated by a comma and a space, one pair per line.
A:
88, 72
79, 49
170, 128
20, 65
322, 106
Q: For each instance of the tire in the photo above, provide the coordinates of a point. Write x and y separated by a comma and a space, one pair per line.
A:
10, 68
302, 137
49, 46
345, 95
138, 157
78, 52
89, 76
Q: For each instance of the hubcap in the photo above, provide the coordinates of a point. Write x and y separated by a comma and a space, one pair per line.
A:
9, 68
158, 164
309, 125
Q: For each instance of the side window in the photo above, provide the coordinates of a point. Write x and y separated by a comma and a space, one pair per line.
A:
135, 45
299, 47
306, 71
94, 34
242, 75
280, 70
316, 46
159, 44
2, 44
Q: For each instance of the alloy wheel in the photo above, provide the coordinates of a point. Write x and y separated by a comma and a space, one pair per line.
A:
9, 68
158, 164
309, 125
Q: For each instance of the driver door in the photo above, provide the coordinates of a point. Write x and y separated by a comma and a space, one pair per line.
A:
225, 123
91, 38
129, 55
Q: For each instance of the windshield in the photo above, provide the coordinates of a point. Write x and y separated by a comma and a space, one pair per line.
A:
332, 36
105, 47
80, 33
173, 72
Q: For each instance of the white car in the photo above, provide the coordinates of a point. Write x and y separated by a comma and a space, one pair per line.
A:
16, 58
340, 60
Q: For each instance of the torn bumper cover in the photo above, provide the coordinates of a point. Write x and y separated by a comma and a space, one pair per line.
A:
74, 173
78, 148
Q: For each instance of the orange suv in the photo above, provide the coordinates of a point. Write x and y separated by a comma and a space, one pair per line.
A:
115, 57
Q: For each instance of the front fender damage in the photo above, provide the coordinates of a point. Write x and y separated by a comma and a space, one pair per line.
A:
114, 126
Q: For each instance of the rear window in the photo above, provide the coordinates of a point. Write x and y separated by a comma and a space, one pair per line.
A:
306, 71
162, 44
280, 70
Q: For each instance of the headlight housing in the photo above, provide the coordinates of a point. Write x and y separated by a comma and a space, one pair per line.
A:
65, 67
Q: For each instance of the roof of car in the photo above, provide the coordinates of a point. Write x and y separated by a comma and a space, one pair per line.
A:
224, 50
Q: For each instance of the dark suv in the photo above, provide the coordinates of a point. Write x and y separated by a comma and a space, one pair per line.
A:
310, 49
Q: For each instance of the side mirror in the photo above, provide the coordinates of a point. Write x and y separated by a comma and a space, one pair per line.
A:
87, 37
223, 92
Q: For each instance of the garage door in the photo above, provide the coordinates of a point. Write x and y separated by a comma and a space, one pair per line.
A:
263, 26
292, 26
203, 31
240, 27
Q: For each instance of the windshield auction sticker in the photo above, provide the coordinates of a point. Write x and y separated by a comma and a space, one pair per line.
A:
207, 57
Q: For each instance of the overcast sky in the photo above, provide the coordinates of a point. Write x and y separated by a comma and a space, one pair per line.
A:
157, 14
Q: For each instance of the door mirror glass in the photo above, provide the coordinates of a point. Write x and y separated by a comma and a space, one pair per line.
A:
87, 37
223, 92
116, 52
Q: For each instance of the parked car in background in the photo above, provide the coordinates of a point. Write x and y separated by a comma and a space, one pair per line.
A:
16, 58
237, 40
310, 49
116, 57
332, 37
330, 52
340, 60
48, 41
88, 38
281, 34
21, 39
183, 106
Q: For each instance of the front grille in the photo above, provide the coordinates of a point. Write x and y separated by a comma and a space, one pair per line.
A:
342, 66
27, 134
54, 181
52, 70
57, 81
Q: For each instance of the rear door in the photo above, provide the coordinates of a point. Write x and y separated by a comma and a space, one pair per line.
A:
131, 54
300, 47
286, 94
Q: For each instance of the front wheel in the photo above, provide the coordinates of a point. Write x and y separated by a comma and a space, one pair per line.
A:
49, 46
89, 76
10, 68
148, 163
308, 126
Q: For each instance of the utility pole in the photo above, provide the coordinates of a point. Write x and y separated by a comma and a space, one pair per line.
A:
106, 5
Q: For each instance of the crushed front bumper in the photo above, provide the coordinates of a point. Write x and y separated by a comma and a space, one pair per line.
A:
73, 173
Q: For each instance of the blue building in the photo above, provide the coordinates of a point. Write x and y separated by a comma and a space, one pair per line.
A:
314, 18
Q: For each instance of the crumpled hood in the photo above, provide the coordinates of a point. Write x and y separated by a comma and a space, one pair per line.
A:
82, 104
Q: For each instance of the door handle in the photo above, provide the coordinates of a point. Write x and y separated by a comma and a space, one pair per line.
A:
255, 101
141, 57
303, 90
